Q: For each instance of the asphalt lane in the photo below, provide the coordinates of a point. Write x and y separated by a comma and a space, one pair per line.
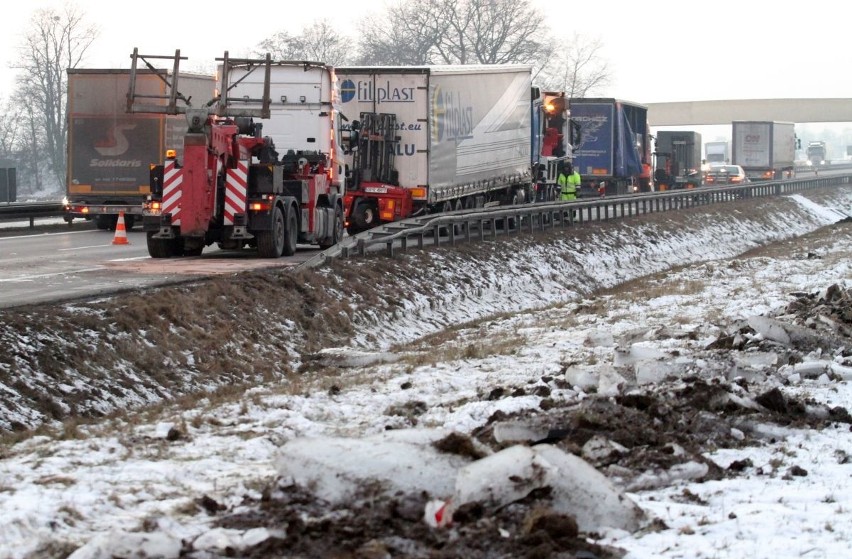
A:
61, 265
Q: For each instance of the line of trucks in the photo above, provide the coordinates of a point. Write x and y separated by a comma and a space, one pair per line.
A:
275, 154
280, 153
766, 150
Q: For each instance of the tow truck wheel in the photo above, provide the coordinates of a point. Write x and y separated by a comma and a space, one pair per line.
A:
160, 248
337, 230
193, 246
291, 233
270, 244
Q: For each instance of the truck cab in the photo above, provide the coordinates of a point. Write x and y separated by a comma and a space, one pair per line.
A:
268, 184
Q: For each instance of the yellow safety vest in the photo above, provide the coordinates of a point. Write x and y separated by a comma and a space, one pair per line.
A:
574, 178
567, 186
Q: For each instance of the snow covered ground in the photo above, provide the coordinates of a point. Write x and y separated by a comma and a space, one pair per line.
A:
124, 488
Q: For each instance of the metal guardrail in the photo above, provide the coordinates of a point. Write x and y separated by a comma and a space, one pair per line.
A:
467, 225
479, 224
828, 167
30, 211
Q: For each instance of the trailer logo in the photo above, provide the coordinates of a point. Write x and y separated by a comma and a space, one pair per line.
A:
95, 162
752, 138
368, 91
115, 143
347, 90
590, 127
453, 119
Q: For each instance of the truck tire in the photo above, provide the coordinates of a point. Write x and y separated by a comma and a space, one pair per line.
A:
291, 233
105, 222
337, 230
270, 243
364, 216
160, 248
517, 200
459, 228
192, 246
446, 207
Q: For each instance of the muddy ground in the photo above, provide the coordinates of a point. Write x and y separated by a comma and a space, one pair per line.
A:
668, 424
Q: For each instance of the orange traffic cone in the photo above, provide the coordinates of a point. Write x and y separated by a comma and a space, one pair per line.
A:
120, 232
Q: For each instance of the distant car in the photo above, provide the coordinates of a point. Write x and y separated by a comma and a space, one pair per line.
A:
725, 174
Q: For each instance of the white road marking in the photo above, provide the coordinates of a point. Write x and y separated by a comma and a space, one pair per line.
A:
83, 248
41, 276
42, 235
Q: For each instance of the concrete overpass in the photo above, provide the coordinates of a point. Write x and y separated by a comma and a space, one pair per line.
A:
702, 113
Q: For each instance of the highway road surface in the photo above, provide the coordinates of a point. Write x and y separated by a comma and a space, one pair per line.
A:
70, 264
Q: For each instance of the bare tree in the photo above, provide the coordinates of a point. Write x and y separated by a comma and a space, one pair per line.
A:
497, 32
31, 146
414, 32
9, 131
319, 42
576, 67
55, 42
406, 34
454, 32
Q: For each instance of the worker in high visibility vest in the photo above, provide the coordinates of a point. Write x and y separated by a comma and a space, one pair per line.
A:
569, 183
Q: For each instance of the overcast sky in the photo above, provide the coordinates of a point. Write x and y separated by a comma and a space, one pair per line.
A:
659, 50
